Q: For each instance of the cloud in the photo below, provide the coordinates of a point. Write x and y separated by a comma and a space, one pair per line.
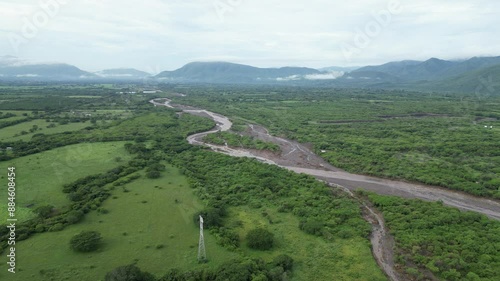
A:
326, 76
164, 34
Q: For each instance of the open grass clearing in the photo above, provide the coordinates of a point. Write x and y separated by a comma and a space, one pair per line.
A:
40, 177
144, 225
13, 133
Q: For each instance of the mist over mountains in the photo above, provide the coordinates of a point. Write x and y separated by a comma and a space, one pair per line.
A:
432, 74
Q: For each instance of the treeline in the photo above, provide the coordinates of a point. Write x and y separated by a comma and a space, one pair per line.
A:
237, 270
4, 124
68, 97
86, 194
451, 244
6, 115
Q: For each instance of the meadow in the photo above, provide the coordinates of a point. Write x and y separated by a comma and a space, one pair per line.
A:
149, 225
22, 131
40, 177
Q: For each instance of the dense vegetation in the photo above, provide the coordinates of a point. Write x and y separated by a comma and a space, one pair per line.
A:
225, 181
236, 193
236, 270
439, 139
260, 239
451, 244
317, 233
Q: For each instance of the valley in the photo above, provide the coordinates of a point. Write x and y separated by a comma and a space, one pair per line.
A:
254, 171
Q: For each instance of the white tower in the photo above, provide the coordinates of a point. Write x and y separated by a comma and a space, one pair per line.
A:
202, 256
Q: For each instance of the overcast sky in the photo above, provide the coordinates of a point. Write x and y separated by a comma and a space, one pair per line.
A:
155, 35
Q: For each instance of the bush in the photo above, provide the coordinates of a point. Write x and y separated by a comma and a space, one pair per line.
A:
313, 227
56, 227
128, 273
153, 174
212, 217
44, 211
74, 217
156, 167
228, 238
260, 239
40, 228
285, 261
86, 241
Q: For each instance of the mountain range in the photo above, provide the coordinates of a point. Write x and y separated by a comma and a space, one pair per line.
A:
431, 75
225, 72
432, 69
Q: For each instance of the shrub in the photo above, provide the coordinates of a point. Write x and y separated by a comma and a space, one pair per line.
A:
128, 273
313, 227
103, 211
212, 217
44, 211
228, 238
86, 241
74, 217
40, 228
56, 227
285, 261
260, 239
153, 174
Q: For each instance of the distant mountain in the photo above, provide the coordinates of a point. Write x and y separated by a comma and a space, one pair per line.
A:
472, 64
225, 72
485, 81
392, 68
12, 68
339, 68
122, 74
478, 74
432, 69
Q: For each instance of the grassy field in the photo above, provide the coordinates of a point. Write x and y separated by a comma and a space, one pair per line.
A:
144, 225
315, 258
40, 177
9, 133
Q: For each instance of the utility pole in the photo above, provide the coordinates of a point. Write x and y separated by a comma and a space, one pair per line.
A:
202, 256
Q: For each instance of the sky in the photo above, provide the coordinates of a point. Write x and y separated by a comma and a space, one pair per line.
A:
157, 35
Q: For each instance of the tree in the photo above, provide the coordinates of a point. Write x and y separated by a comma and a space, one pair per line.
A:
212, 217
86, 241
285, 261
74, 216
44, 211
260, 239
313, 227
128, 273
